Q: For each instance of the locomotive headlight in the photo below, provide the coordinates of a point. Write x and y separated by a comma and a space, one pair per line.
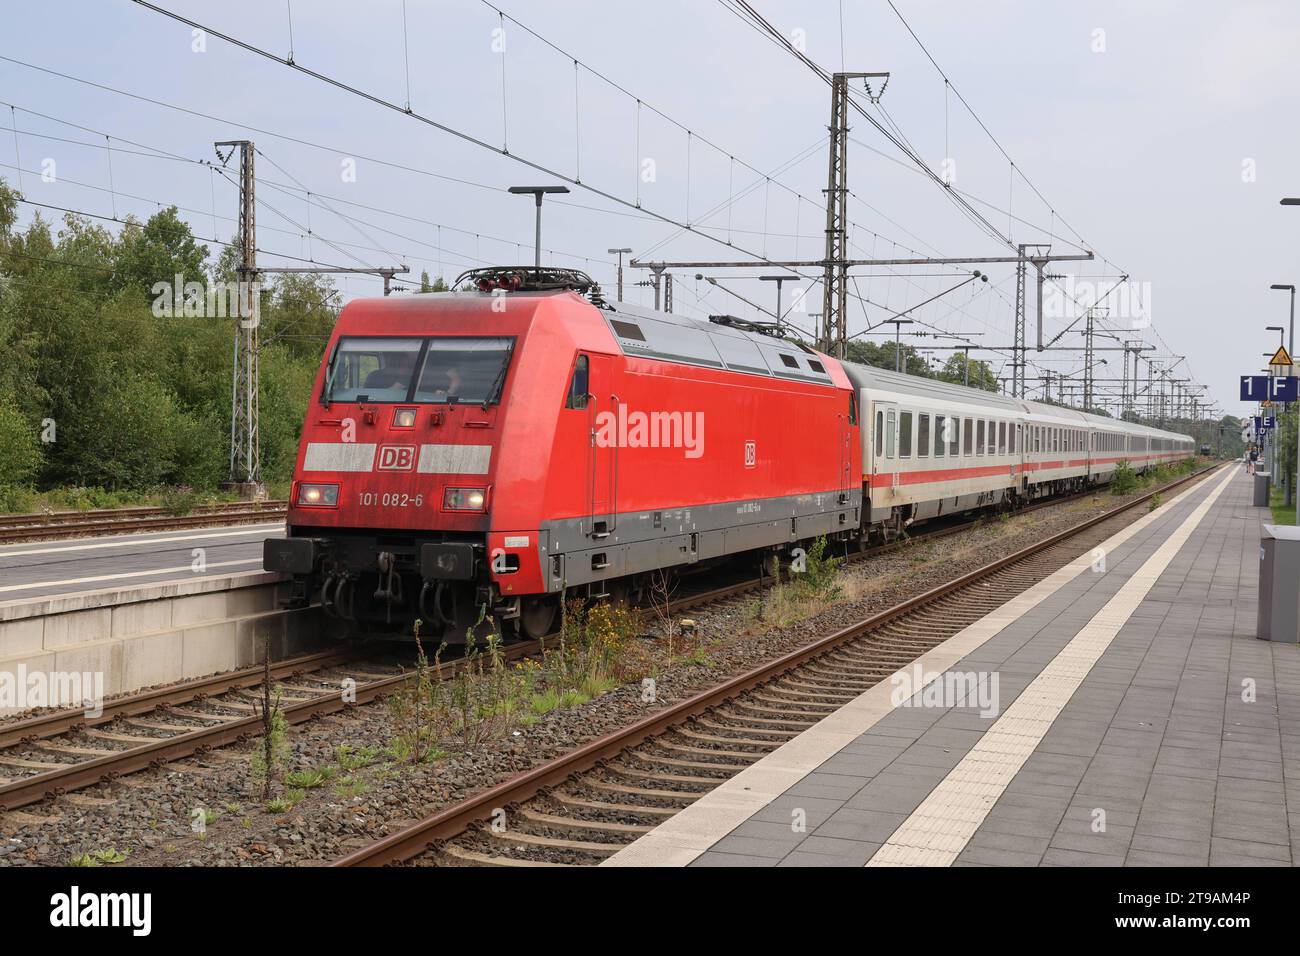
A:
464, 499
404, 418
318, 496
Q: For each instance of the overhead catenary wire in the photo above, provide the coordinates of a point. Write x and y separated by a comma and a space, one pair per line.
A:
149, 151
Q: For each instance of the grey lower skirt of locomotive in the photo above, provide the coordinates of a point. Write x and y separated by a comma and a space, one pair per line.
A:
380, 585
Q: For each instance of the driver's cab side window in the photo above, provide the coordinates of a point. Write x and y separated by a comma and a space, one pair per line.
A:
578, 387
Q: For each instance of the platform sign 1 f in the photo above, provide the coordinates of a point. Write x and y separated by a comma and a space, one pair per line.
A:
1263, 388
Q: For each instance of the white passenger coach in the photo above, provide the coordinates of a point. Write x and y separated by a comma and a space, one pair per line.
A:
931, 448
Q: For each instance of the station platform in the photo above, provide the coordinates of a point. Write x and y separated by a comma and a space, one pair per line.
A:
47, 569
1137, 721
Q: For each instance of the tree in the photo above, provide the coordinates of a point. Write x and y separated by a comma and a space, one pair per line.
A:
158, 251
960, 365
438, 285
22, 450
882, 355
8, 209
136, 400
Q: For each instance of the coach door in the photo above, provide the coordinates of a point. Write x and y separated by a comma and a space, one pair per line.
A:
602, 470
884, 452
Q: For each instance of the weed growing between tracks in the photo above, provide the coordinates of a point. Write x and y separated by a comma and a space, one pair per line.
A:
270, 757
815, 581
489, 698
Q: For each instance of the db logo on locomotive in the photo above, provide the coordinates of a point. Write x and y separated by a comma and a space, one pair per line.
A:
396, 457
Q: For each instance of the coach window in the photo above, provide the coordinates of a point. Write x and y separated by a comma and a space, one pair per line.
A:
1011, 437
880, 433
940, 435
1002, 438
954, 428
980, 425
889, 435
923, 436
967, 431
904, 434
578, 386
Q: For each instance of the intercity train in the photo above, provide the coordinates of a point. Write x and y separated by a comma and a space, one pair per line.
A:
473, 458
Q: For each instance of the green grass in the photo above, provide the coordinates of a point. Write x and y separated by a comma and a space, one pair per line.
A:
1282, 514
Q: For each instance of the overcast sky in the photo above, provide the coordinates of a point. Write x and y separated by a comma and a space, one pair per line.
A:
1159, 134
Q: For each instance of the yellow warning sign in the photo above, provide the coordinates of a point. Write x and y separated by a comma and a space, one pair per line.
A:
1280, 357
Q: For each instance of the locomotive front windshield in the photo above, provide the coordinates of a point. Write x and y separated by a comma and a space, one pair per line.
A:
442, 370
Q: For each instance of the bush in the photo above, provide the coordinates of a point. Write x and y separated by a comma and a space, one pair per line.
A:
1124, 480
20, 449
15, 499
819, 579
179, 500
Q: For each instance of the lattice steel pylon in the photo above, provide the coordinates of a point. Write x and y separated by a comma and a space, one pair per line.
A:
1018, 353
245, 453
835, 280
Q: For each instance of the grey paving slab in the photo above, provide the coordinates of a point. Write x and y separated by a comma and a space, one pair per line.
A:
1178, 748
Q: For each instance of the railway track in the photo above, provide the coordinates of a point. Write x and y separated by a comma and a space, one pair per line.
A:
65, 750
62, 751
76, 524
581, 808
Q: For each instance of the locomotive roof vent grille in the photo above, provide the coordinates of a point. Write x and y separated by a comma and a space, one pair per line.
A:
529, 279
627, 330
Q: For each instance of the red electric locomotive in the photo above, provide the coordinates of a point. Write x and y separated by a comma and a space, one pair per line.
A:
486, 453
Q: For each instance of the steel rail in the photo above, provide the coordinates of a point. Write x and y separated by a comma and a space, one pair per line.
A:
159, 751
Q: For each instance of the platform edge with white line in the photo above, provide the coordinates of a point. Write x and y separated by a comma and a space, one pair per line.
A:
686, 836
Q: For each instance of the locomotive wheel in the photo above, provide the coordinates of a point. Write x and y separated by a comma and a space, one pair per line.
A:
536, 617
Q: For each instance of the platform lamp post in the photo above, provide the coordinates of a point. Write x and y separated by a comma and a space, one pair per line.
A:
538, 192
898, 354
1290, 345
1281, 287
620, 269
1272, 438
1294, 201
